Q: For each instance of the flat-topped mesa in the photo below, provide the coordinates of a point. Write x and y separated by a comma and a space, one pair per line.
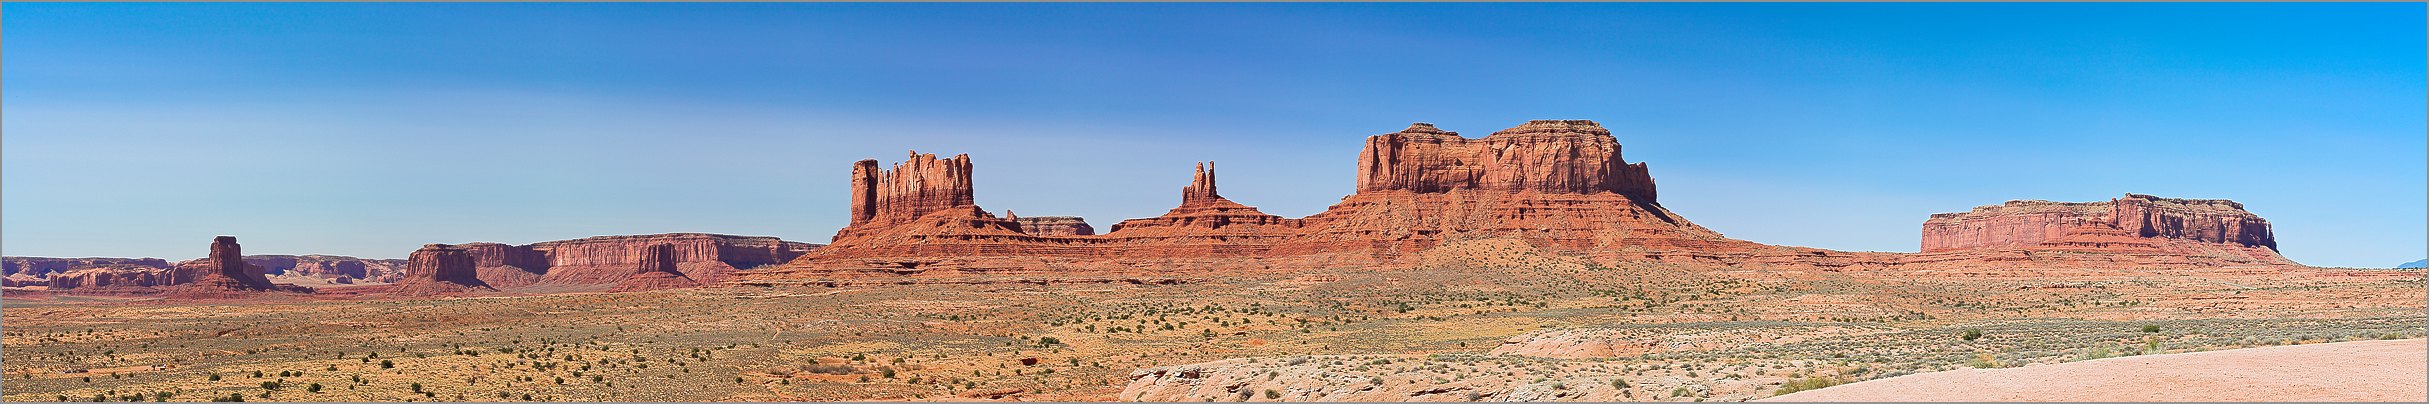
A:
656, 270
506, 266
2166, 231
440, 269
1548, 156
1201, 208
1053, 225
919, 185
606, 260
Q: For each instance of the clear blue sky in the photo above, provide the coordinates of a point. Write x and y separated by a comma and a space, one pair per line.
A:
370, 129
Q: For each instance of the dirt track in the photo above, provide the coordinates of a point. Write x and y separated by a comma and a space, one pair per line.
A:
2350, 371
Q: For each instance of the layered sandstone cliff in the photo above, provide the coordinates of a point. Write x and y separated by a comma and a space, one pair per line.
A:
1053, 225
439, 270
2135, 230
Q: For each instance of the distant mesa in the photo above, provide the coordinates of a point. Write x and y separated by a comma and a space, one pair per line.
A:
2415, 264
2141, 229
1053, 225
606, 263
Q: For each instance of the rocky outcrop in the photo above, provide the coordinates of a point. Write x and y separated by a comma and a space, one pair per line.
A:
1203, 209
44, 266
439, 270
224, 274
1053, 225
655, 271
914, 188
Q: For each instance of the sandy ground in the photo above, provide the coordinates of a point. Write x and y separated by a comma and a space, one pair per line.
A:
2396, 370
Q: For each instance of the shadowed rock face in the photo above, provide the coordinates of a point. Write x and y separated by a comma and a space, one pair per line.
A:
440, 269
656, 270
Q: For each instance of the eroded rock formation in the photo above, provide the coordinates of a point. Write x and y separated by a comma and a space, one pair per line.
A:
1558, 184
1551, 156
2136, 230
440, 269
919, 185
224, 274
1053, 225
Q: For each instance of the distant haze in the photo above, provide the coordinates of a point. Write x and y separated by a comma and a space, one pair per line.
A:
141, 130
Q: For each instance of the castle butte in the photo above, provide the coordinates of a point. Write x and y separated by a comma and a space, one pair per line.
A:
1557, 185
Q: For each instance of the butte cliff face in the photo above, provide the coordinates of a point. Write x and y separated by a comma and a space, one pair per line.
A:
1550, 156
2135, 230
439, 270
44, 266
916, 187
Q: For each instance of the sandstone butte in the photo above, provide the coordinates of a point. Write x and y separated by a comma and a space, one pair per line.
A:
440, 270
655, 270
588, 264
223, 274
1559, 185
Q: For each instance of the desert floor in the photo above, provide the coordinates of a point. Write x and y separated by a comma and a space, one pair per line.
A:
1566, 330
2396, 370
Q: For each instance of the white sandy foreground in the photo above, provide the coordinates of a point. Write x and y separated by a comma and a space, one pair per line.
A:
2395, 370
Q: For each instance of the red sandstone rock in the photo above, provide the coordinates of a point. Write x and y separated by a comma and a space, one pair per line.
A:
655, 271
607, 260
2136, 230
1053, 225
328, 267
1551, 156
917, 186
1557, 184
440, 269
125, 279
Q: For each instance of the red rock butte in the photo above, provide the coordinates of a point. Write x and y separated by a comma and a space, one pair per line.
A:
439, 270
1557, 185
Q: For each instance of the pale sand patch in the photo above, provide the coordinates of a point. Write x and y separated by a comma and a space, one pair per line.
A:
2393, 370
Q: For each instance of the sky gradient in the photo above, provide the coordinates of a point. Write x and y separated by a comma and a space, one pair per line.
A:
141, 130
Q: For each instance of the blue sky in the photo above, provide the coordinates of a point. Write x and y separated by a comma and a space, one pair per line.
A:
370, 129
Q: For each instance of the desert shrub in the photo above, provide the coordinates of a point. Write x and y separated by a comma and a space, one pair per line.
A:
1810, 383
2150, 328
385, 364
315, 387
832, 369
1973, 334
1270, 394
